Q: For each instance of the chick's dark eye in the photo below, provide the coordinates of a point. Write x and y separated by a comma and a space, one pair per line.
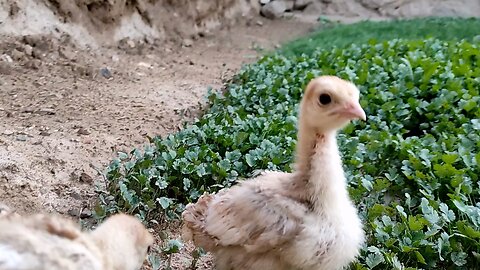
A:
325, 99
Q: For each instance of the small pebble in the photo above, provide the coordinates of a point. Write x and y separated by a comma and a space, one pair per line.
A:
28, 50
44, 133
85, 178
131, 43
83, 131
105, 72
187, 42
21, 138
6, 58
76, 213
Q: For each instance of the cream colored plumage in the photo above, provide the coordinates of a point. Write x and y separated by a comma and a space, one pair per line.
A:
49, 242
6, 212
301, 220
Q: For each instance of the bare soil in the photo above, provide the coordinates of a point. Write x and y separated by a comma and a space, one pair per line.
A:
66, 112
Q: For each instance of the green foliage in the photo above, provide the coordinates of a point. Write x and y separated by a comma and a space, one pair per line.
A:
412, 168
164, 261
336, 35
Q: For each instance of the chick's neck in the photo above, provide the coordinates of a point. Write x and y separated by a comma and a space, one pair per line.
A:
308, 139
319, 169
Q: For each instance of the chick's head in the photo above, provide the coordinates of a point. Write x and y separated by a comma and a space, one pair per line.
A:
330, 103
125, 240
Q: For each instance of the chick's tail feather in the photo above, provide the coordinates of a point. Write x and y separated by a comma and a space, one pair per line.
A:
194, 223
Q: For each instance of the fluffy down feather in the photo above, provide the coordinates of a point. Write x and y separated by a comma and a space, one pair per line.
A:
300, 220
51, 242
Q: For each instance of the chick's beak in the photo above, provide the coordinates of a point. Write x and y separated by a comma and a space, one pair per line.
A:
352, 111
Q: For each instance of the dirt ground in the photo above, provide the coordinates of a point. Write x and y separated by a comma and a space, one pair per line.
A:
65, 112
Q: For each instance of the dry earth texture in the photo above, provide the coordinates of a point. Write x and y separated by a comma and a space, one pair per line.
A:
81, 80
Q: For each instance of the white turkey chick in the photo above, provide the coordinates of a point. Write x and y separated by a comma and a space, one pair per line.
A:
50, 242
300, 220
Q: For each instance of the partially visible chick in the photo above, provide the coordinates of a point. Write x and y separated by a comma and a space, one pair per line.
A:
124, 240
303, 220
45, 242
7, 212
52, 242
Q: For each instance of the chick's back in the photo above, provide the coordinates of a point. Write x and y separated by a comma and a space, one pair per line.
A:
45, 242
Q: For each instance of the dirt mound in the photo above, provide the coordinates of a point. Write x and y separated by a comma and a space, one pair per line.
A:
93, 22
356, 10
397, 8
